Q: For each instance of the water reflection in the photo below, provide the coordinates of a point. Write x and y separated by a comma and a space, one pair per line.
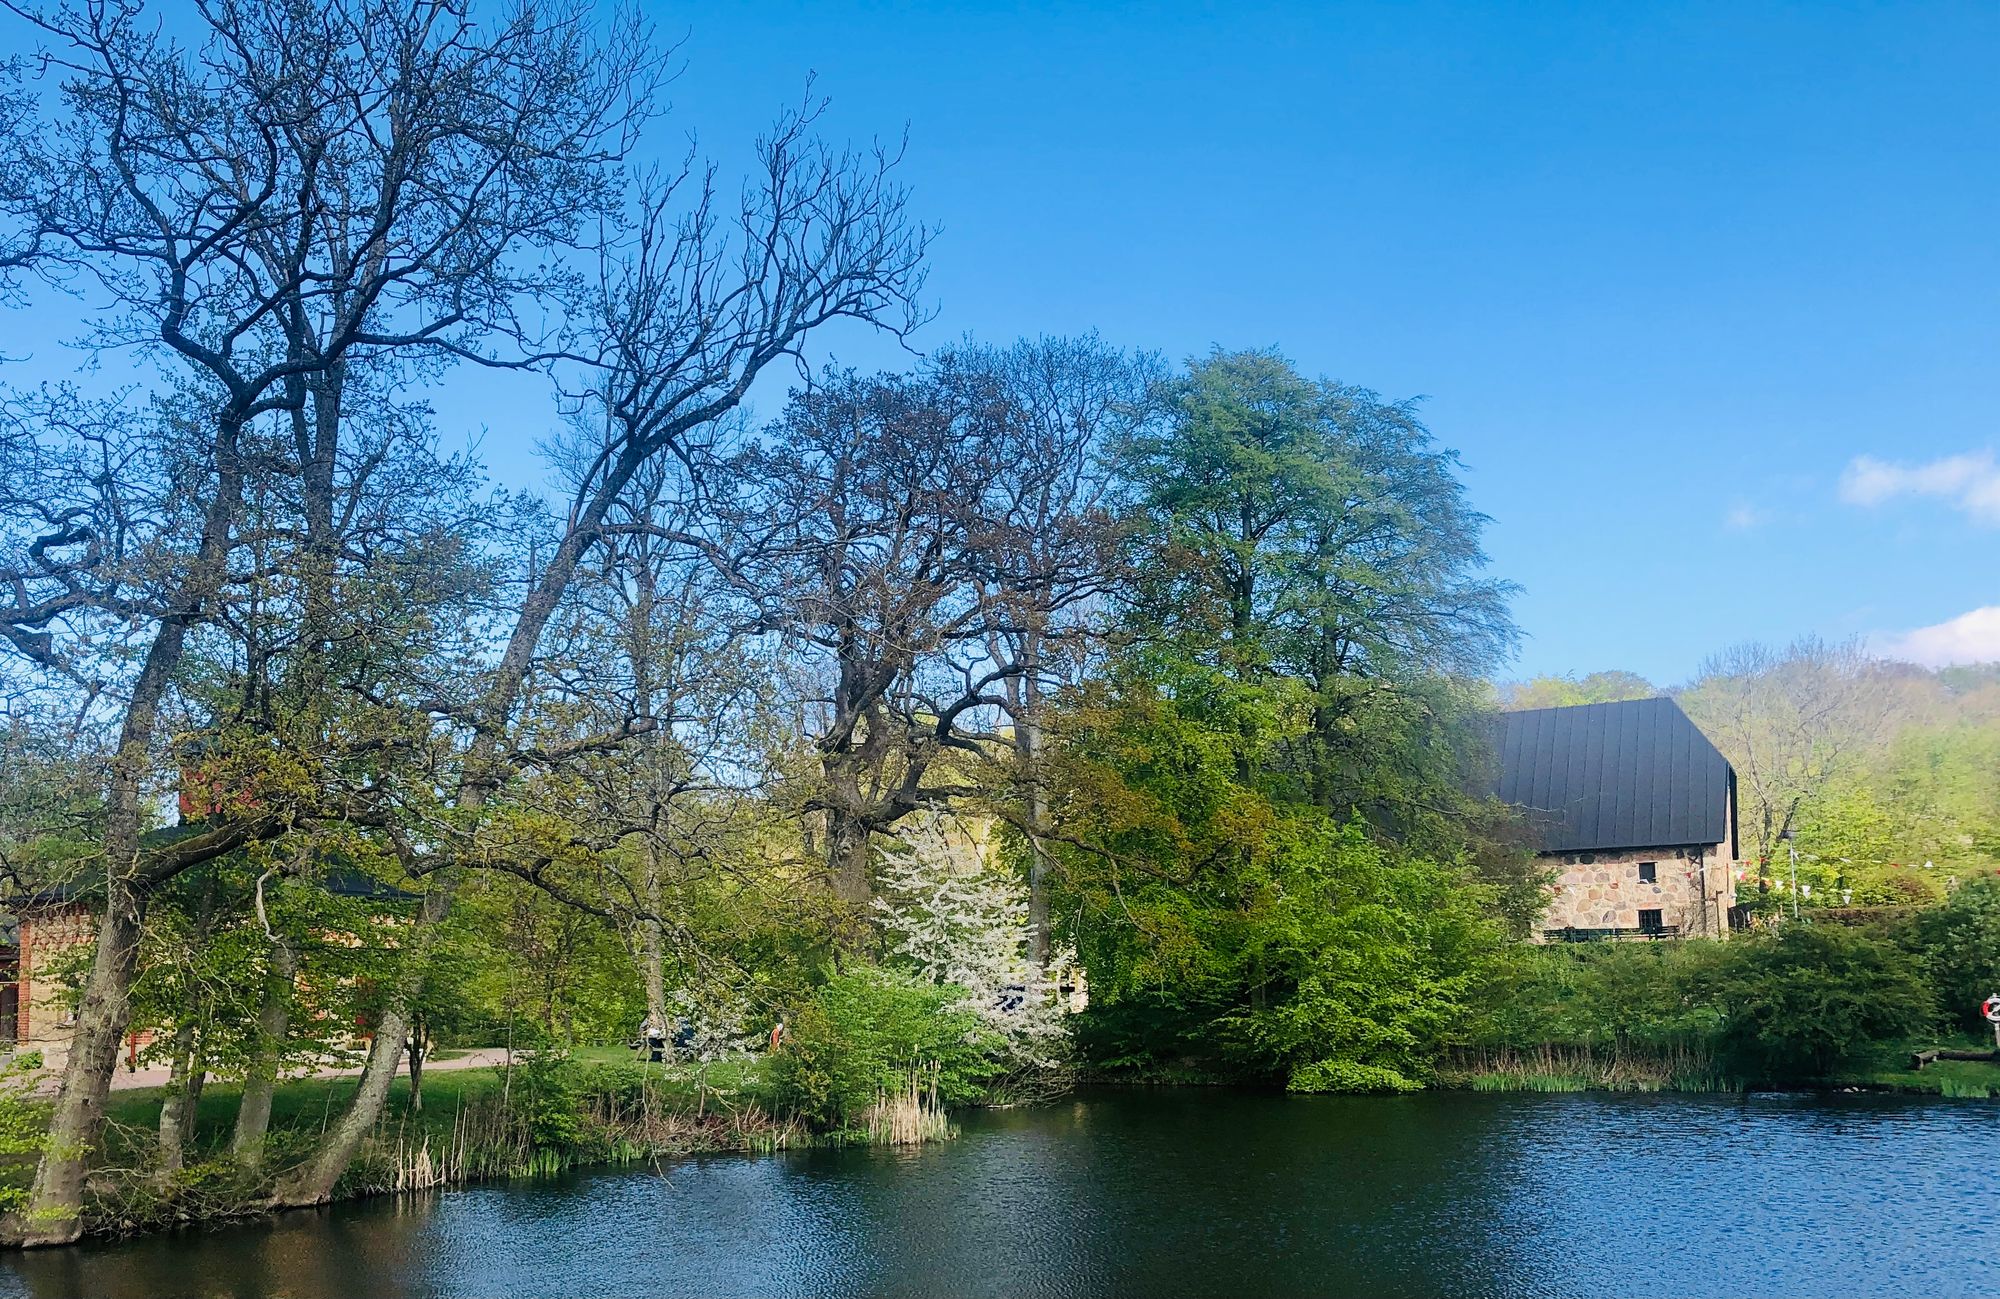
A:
1188, 1193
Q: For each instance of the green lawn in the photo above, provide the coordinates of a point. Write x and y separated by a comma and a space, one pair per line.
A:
308, 1102
311, 1102
1891, 1068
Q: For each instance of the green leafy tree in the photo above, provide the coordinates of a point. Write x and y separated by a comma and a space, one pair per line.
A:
1260, 936
1309, 531
1567, 691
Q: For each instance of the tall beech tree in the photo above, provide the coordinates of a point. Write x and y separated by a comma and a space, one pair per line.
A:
1308, 532
1262, 814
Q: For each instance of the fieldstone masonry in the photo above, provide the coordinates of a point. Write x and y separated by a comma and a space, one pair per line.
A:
1603, 891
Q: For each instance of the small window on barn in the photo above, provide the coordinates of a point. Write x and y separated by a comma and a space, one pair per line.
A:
1649, 872
1649, 922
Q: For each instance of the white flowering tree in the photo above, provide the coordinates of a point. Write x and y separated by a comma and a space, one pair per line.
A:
960, 916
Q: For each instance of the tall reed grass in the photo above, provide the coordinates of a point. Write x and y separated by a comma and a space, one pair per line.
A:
1563, 1068
911, 1115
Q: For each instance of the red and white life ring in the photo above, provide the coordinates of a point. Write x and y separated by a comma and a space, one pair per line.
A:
1991, 1008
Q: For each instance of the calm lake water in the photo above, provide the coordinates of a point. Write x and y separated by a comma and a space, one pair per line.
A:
1189, 1193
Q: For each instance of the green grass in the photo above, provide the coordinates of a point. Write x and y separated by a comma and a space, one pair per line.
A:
684, 1082
1889, 1068
308, 1103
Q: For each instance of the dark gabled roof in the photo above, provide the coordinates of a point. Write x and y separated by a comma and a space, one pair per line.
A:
340, 881
1636, 774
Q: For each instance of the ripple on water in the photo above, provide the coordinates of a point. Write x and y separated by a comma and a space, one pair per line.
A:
1189, 1192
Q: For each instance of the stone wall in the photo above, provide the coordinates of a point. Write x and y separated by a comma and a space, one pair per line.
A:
1602, 890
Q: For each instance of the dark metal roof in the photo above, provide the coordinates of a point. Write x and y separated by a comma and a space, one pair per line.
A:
1636, 774
340, 881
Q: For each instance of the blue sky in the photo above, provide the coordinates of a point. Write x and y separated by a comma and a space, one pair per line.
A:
1708, 297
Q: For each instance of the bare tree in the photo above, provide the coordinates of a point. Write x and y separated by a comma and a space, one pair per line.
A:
310, 187
1068, 401
926, 538
1791, 720
657, 633
690, 310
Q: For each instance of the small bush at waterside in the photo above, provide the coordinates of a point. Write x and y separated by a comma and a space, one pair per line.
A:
1347, 1076
865, 1036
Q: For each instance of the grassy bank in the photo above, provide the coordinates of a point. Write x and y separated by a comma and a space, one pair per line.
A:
540, 1117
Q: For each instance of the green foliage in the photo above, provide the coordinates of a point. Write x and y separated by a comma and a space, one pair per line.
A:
1568, 691
1959, 945
547, 1097
1803, 1002
1622, 998
23, 1119
1269, 860
865, 1033
1308, 527
1220, 921
1796, 1005
1347, 1076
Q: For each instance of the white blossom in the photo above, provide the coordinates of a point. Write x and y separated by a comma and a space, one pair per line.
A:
960, 916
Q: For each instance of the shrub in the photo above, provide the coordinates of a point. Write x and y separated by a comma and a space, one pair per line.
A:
864, 1033
1804, 1001
1347, 1076
23, 1119
547, 1099
1959, 945
1622, 999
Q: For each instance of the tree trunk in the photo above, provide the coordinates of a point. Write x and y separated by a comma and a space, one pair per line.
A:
274, 1022
1028, 748
652, 943
177, 1112
180, 1112
652, 956
313, 1182
416, 1070
849, 863
1040, 936
53, 1214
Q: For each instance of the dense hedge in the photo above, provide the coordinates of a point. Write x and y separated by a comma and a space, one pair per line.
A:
1793, 1005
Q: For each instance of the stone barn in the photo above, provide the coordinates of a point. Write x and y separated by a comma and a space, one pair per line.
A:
1634, 809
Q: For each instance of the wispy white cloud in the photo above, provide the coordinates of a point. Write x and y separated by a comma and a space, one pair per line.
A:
1972, 637
1968, 482
1742, 517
